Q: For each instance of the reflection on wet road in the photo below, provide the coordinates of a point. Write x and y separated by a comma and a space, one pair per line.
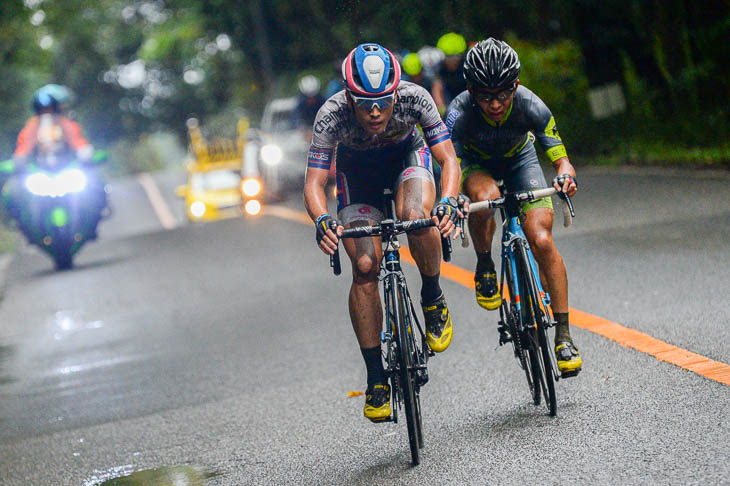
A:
163, 476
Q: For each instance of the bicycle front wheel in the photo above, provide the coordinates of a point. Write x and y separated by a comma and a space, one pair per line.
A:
523, 351
407, 376
535, 328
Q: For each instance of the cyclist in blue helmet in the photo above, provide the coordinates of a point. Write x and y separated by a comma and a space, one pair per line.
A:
369, 128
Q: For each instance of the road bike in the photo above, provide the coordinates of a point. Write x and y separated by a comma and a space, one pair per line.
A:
406, 351
525, 315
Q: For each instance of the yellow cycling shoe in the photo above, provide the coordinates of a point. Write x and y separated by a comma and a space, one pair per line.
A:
377, 403
438, 325
568, 357
487, 290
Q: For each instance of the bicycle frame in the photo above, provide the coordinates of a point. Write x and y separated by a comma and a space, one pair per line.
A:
512, 237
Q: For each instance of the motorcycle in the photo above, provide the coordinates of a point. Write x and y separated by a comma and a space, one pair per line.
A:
56, 210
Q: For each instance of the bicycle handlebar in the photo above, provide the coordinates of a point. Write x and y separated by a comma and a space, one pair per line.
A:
568, 212
389, 227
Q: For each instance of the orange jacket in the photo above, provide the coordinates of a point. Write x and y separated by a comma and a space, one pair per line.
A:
28, 136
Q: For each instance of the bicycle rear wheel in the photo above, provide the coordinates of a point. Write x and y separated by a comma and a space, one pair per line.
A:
407, 376
535, 328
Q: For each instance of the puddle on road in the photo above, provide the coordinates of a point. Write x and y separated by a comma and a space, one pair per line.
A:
163, 476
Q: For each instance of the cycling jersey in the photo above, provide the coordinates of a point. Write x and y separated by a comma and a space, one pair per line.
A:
496, 144
336, 124
505, 148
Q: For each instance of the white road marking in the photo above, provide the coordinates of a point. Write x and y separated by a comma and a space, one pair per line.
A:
167, 220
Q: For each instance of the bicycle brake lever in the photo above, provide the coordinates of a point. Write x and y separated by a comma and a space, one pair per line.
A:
335, 262
464, 235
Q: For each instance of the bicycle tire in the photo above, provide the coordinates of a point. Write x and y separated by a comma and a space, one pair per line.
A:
407, 376
538, 334
527, 355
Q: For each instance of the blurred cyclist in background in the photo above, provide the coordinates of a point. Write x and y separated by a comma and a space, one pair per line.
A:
335, 84
310, 100
414, 70
449, 80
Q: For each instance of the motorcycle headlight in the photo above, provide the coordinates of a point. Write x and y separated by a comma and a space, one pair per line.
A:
68, 181
72, 180
39, 184
271, 154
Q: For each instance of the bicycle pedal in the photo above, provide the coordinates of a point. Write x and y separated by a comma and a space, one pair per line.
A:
504, 335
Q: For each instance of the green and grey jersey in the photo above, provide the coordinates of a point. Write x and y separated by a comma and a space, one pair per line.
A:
493, 143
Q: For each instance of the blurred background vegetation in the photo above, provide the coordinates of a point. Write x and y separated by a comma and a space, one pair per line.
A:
141, 68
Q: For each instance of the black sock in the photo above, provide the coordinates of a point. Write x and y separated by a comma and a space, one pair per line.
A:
374, 365
562, 329
431, 290
484, 262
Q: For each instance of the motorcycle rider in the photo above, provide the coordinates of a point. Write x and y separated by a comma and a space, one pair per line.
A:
51, 140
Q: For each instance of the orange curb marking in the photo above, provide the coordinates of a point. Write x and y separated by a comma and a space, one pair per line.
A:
625, 336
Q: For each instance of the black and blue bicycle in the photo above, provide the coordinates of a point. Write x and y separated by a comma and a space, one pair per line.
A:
525, 314
406, 351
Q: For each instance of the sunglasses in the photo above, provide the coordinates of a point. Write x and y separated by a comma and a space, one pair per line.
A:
367, 104
488, 97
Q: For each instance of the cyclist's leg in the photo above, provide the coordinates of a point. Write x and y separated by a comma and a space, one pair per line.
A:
366, 315
479, 185
537, 223
356, 207
414, 197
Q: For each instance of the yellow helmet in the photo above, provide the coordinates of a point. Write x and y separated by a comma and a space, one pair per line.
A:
411, 64
452, 44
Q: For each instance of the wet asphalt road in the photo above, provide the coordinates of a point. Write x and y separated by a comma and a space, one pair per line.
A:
227, 346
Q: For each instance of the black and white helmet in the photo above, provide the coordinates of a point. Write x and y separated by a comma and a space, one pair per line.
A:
491, 64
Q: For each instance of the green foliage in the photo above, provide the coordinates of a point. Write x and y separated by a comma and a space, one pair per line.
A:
643, 153
149, 153
211, 58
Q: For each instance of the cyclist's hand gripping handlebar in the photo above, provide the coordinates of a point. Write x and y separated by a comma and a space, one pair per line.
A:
326, 227
446, 207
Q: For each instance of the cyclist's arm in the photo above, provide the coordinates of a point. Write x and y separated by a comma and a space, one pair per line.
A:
546, 132
438, 138
26, 139
315, 181
450, 170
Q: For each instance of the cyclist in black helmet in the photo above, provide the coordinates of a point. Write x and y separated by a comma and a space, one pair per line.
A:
493, 126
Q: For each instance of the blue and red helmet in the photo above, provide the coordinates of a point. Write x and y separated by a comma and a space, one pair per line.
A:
370, 70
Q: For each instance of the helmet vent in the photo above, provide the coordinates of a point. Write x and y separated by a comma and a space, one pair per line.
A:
374, 70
